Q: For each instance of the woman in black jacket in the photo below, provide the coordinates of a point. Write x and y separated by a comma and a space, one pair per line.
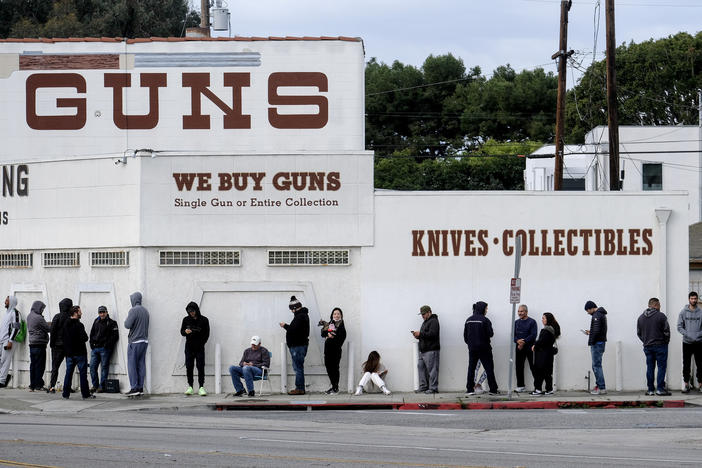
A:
334, 333
544, 349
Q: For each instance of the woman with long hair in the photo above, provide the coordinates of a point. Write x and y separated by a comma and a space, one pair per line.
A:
544, 349
373, 370
334, 333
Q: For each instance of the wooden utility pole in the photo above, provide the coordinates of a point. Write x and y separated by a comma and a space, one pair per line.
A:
612, 120
562, 56
205, 15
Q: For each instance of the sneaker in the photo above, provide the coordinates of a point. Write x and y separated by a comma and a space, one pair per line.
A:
252, 393
240, 392
479, 390
550, 392
203, 392
686, 388
132, 392
470, 393
536, 392
89, 397
297, 391
663, 393
598, 391
93, 389
385, 390
520, 389
189, 391
331, 391
100, 390
650, 393
359, 391
420, 390
494, 392
31, 389
430, 392
51, 390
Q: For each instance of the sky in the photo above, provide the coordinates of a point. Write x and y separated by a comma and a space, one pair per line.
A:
486, 33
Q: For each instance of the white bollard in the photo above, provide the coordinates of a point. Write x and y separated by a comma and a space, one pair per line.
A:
283, 368
147, 377
415, 362
350, 381
218, 369
620, 369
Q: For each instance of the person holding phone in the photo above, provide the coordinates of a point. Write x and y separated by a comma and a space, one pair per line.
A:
429, 347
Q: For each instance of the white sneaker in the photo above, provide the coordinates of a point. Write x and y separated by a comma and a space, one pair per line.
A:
359, 391
550, 392
385, 390
520, 389
598, 391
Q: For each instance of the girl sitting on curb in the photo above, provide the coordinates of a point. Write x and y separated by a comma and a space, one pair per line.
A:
373, 370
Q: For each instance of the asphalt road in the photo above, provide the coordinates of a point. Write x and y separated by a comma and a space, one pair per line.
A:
587, 438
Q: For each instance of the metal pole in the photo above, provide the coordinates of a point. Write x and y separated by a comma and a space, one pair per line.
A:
517, 262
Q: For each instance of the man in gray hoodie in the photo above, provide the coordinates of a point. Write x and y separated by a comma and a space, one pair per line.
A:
690, 327
38, 331
654, 332
138, 325
9, 327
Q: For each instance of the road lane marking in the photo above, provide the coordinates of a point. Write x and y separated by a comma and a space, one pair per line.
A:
16, 463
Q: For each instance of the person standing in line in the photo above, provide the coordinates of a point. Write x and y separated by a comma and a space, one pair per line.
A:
334, 333
544, 349
597, 337
138, 325
56, 341
297, 337
373, 370
524, 338
477, 332
429, 348
74, 339
9, 327
196, 330
690, 327
103, 337
38, 331
654, 332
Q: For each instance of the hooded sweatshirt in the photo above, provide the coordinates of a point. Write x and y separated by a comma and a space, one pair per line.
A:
690, 324
74, 338
477, 332
59, 322
598, 327
137, 320
652, 328
298, 332
199, 327
37, 328
11, 322
429, 334
104, 333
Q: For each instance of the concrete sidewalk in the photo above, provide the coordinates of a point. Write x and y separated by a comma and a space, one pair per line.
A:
24, 401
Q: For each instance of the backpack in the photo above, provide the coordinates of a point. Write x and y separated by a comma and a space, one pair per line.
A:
22, 332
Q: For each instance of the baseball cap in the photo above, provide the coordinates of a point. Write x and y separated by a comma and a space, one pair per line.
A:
256, 340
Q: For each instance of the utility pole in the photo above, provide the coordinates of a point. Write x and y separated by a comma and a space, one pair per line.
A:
612, 120
562, 56
205, 16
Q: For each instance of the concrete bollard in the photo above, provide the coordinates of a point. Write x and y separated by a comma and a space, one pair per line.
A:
283, 368
619, 382
218, 369
350, 381
415, 362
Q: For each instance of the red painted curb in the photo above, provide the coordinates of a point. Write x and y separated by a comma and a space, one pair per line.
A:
430, 406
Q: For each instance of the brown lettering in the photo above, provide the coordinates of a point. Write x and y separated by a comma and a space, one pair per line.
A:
646, 236
257, 178
433, 242
609, 244
571, 248
56, 122
316, 181
233, 116
119, 81
585, 234
598, 249
506, 248
633, 240
470, 251
456, 241
444, 243
533, 248
225, 181
545, 248
284, 121
203, 181
285, 184
558, 242
184, 180
417, 247
621, 248
333, 181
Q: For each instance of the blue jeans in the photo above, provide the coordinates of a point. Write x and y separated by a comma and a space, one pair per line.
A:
656, 354
249, 373
596, 351
37, 365
136, 365
298, 354
100, 357
71, 363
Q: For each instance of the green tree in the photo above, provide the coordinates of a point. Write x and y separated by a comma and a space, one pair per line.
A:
95, 18
657, 84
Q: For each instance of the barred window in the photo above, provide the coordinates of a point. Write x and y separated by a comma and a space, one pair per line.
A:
308, 257
16, 260
109, 258
61, 259
199, 258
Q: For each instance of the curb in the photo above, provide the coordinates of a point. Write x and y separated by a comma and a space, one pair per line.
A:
498, 405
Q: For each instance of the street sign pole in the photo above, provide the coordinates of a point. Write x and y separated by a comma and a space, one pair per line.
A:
515, 296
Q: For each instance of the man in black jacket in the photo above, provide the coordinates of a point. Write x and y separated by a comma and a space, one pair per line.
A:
429, 347
56, 340
74, 339
196, 330
297, 337
597, 337
103, 337
477, 332
654, 332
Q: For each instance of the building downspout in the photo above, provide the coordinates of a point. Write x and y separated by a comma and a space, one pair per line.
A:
662, 215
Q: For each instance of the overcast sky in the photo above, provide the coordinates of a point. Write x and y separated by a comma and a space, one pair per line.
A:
487, 33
